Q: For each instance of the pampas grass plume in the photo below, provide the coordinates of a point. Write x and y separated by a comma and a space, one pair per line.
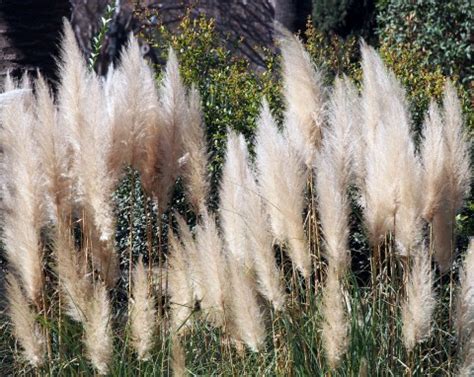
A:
98, 331
417, 309
433, 154
142, 313
167, 146
194, 139
335, 327
231, 195
333, 173
246, 315
392, 196
180, 289
132, 102
282, 183
25, 327
260, 239
212, 265
304, 98
22, 199
465, 310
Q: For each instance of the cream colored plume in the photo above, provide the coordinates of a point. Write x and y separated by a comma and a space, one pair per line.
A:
213, 266
75, 282
335, 326
25, 327
392, 196
433, 154
457, 178
84, 121
260, 240
93, 138
458, 149
333, 174
282, 184
180, 288
132, 103
419, 303
195, 172
142, 313
195, 275
53, 154
247, 318
166, 148
98, 331
232, 193
22, 200
304, 98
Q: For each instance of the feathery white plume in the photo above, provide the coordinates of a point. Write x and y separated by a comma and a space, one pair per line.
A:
22, 197
304, 98
180, 289
282, 183
25, 327
213, 266
333, 173
232, 193
142, 313
417, 309
335, 327
194, 139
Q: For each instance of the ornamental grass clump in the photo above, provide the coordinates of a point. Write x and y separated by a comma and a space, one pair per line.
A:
269, 279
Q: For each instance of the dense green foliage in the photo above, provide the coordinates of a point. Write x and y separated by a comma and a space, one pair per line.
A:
440, 31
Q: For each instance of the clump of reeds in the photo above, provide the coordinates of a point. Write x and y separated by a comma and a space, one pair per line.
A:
62, 158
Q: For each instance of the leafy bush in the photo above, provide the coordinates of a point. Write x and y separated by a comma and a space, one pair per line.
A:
334, 55
439, 31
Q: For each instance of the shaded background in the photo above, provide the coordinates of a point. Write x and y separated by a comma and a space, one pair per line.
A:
29, 33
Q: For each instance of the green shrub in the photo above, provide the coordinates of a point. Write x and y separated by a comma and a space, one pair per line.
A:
439, 31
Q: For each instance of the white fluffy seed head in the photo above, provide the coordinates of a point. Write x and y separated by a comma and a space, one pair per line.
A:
282, 182
417, 309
